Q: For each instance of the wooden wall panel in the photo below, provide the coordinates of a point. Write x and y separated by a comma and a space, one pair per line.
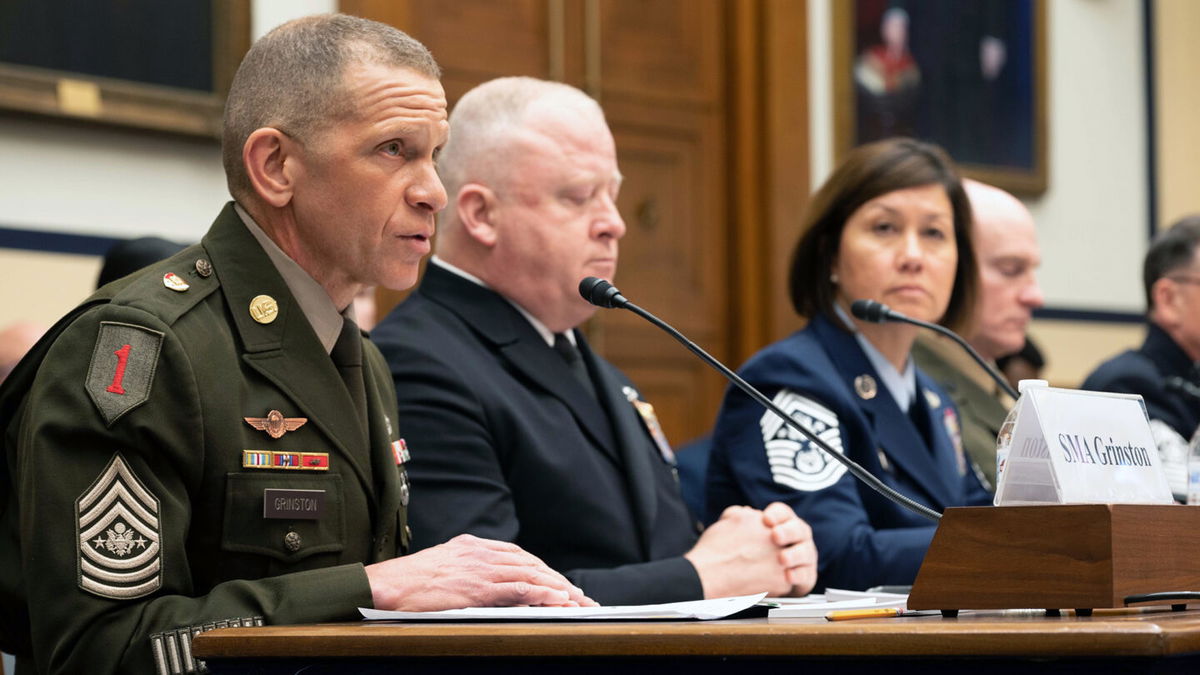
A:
472, 40
672, 256
672, 260
668, 50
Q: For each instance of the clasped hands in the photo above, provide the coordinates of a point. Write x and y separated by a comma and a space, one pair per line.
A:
750, 551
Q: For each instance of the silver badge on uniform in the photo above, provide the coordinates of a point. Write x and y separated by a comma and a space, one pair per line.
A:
865, 387
117, 527
883, 461
933, 399
794, 460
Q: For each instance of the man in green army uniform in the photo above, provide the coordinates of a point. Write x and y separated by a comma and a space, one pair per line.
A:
1006, 248
210, 441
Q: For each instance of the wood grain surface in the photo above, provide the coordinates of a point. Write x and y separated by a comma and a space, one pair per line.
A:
1151, 632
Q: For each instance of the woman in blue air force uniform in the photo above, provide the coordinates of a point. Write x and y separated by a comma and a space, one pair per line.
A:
892, 224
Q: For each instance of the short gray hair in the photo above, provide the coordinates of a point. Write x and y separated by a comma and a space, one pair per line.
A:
292, 79
487, 119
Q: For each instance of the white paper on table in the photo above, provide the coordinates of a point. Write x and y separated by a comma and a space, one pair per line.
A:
870, 598
839, 594
695, 609
810, 599
820, 609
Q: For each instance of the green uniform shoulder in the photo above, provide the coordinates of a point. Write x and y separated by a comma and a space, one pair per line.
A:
167, 289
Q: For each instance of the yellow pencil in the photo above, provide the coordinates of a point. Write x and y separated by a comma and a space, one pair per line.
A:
842, 615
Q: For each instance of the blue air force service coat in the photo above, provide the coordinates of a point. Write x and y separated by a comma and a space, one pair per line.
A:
823, 378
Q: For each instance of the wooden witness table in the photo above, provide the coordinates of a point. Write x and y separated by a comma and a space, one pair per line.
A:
1153, 640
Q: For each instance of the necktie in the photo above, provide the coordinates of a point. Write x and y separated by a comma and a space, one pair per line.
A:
919, 414
347, 357
570, 354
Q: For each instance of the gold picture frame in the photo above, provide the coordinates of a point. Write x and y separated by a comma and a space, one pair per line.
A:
75, 96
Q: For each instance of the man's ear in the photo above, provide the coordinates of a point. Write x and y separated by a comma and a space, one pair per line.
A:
476, 206
1165, 295
267, 156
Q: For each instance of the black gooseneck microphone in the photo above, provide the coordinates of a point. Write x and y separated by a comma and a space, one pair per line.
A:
877, 312
603, 294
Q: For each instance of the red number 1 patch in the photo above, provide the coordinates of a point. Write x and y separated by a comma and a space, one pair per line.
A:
137, 349
122, 361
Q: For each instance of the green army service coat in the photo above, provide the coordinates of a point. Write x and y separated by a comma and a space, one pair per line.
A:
980, 412
148, 507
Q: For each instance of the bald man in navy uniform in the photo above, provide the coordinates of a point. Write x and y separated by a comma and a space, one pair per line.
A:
518, 430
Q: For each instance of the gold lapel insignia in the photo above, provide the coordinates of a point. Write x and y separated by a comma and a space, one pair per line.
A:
264, 309
275, 424
933, 400
174, 282
865, 387
204, 268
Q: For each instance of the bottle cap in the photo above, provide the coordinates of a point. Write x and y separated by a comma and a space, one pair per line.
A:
1029, 384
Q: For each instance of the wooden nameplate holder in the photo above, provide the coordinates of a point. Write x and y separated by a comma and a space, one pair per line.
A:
1081, 557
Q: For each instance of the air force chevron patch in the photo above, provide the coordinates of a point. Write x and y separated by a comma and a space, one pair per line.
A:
120, 555
794, 460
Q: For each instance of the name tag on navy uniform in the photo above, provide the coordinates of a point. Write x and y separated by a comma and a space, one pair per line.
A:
293, 504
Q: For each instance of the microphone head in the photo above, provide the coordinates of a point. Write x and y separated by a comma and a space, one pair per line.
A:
601, 293
870, 310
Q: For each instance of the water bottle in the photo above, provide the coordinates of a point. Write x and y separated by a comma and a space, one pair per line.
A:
1005, 437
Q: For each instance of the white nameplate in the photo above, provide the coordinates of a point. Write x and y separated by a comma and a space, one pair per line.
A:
1082, 447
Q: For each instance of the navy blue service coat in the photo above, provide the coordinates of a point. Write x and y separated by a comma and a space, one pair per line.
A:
507, 445
822, 376
1174, 414
1145, 371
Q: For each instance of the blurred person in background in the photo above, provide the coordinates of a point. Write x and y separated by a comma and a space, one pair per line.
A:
1006, 250
1164, 369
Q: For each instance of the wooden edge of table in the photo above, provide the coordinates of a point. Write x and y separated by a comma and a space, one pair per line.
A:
1134, 632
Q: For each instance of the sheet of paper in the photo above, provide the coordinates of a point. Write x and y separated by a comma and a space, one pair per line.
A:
820, 609
810, 599
839, 594
835, 595
696, 609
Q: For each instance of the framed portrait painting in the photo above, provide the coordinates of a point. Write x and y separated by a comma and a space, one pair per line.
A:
968, 75
156, 65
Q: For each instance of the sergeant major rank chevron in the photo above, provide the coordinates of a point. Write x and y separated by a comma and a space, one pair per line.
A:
118, 531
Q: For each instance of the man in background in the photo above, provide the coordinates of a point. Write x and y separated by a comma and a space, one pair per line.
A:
210, 442
130, 255
517, 430
15, 340
1007, 251
1163, 370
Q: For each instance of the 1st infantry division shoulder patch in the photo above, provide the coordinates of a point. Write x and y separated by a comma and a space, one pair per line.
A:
117, 526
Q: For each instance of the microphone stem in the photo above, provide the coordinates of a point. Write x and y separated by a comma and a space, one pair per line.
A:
858, 471
942, 330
